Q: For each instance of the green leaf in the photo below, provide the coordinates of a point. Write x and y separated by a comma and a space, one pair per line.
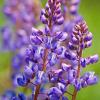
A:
43, 3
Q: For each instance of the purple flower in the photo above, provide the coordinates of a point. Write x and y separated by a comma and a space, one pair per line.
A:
21, 96
39, 77
6, 38
94, 59
89, 60
55, 57
61, 86
56, 91
28, 71
52, 13
72, 76
66, 67
22, 81
88, 79
16, 61
83, 62
8, 94
70, 55
61, 36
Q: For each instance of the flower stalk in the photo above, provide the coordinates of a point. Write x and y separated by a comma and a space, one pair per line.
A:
44, 69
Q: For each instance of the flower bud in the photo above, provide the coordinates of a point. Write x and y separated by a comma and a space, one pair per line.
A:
88, 37
61, 36
88, 44
43, 19
60, 21
94, 59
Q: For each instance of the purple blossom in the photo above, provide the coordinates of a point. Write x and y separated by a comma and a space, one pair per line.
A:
53, 58
52, 12
88, 79
51, 61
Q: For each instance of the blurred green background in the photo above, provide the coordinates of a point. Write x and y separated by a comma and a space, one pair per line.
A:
90, 10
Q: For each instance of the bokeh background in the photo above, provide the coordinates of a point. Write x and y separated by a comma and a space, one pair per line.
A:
90, 10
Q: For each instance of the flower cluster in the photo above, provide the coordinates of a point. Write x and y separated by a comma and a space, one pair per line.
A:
71, 15
20, 18
20, 10
12, 95
53, 59
81, 39
49, 61
72, 6
52, 13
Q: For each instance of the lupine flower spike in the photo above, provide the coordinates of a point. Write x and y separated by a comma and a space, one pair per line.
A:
50, 61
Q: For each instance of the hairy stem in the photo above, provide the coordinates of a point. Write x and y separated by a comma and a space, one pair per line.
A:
44, 69
69, 93
37, 92
74, 94
78, 72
